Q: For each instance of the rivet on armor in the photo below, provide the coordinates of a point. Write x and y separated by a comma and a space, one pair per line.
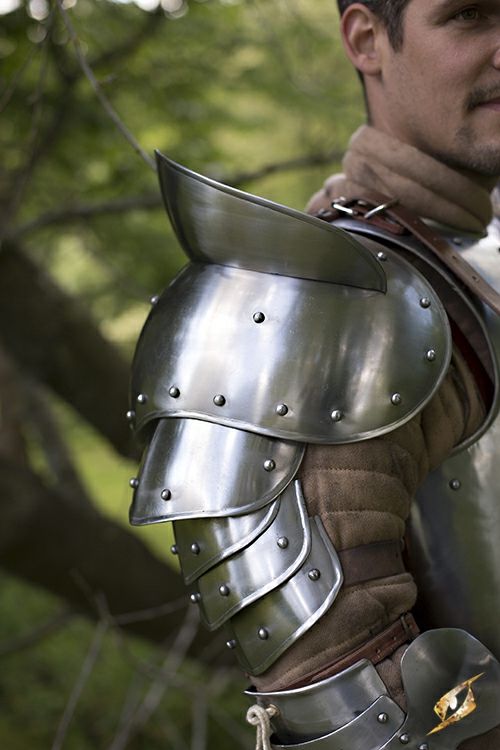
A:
142, 398
282, 542
263, 634
336, 415
382, 256
195, 548
166, 495
154, 299
282, 409
314, 574
455, 484
224, 590
404, 739
174, 550
458, 241
195, 598
134, 482
383, 718
259, 317
174, 392
425, 302
231, 644
219, 400
430, 355
130, 415
396, 399
423, 746
269, 464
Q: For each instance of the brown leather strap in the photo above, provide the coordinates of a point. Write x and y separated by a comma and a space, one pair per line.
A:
375, 650
391, 214
370, 561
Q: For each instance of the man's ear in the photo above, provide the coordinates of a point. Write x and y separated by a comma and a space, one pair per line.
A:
361, 34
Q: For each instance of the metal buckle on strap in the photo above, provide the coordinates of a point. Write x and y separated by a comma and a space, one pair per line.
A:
363, 210
380, 209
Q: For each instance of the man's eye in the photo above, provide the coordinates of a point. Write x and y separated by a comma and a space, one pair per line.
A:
468, 14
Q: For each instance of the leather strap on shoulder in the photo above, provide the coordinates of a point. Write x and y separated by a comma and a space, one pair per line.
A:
378, 210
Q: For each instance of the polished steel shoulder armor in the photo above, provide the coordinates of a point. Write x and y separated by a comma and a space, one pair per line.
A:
455, 521
282, 330
283, 325
452, 684
254, 560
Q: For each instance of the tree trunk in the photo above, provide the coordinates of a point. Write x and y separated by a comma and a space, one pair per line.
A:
85, 558
55, 340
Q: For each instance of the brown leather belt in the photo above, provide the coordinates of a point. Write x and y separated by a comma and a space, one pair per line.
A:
375, 650
378, 210
370, 561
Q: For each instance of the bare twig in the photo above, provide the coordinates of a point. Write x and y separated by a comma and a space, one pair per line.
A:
85, 672
300, 162
84, 211
199, 721
130, 45
105, 103
20, 180
150, 613
54, 448
151, 201
38, 633
154, 695
13, 83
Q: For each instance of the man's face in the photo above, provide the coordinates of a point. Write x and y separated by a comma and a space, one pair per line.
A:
441, 91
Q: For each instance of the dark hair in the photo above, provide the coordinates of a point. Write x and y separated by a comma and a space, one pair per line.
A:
391, 13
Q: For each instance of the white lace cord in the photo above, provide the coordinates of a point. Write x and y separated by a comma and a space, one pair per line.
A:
260, 718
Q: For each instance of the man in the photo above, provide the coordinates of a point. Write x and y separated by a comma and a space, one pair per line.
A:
295, 372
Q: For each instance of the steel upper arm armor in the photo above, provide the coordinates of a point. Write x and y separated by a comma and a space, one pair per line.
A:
281, 331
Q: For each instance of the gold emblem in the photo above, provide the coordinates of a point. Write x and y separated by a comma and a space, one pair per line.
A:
456, 704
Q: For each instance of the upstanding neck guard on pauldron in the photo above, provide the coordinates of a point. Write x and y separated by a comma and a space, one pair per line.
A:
278, 333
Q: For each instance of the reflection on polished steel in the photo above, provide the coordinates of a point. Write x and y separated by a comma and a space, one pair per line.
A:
435, 663
261, 567
219, 224
476, 321
218, 538
321, 708
341, 336
210, 470
289, 611
455, 525
456, 521
364, 732
352, 711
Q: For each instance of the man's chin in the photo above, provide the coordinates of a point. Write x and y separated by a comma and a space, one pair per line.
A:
480, 163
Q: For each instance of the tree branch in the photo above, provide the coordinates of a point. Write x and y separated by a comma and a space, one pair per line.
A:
38, 633
82, 212
85, 672
114, 564
55, 339
130, 45
104, 101
173, 661
300, 162
153, 201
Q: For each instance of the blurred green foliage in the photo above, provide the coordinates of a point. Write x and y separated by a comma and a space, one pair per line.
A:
224, 87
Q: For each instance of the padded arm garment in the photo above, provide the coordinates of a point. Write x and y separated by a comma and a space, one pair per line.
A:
362, 493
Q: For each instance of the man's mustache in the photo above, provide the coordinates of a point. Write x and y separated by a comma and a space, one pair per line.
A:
482, 95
